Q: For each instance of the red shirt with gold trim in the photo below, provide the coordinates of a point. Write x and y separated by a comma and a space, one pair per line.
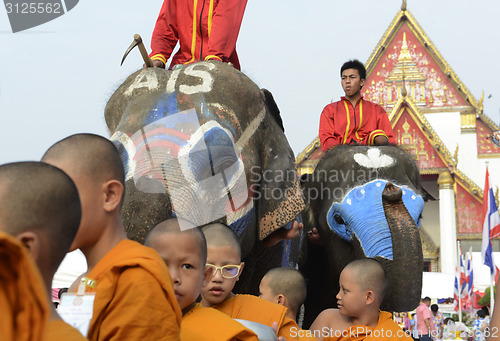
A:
210, 34
341, 123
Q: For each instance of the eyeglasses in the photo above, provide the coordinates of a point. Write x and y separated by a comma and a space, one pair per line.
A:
227, 271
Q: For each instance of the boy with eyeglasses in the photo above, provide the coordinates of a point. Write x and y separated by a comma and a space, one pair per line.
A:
224, 257
185, 254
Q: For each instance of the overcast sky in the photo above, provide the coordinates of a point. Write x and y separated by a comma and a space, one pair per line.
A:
55, 79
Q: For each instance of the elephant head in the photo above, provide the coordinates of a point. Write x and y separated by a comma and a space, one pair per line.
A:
365, 202
203, 143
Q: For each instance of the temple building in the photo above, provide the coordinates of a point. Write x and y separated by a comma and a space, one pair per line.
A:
438, 121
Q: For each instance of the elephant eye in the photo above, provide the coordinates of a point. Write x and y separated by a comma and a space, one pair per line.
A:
339, 219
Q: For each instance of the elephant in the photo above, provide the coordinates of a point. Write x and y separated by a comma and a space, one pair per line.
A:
366, 202
204, 143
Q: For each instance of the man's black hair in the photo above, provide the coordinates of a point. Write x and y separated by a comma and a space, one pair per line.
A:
354, 64
434, 308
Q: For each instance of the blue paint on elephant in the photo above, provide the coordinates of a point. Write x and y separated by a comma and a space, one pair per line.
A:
361, 213
166, 105
241, 224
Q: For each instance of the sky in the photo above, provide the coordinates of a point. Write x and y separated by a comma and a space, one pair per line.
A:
55, 79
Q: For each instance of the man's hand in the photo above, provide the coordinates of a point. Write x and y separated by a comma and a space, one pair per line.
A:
282, 234
275, 326
314, 237
156, 63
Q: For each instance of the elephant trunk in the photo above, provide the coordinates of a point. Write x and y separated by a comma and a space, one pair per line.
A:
405, 270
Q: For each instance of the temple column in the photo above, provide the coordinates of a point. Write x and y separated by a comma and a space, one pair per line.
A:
447, 223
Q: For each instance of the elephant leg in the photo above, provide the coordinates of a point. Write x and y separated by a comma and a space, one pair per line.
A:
321, 287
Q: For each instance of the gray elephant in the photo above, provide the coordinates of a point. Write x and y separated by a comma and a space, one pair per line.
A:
365, 202
204, 143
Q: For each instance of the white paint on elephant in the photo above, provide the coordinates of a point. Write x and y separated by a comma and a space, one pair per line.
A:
146, 79
129, 146
172, 80
374, 159
231, 112
251, 129
207, 80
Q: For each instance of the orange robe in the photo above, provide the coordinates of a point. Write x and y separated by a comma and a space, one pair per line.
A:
59, 330
304, 335
135, 298
207, 324
24, 305
253, 308
386, 329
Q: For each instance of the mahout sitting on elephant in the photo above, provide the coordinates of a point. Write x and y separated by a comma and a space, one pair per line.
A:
204, 143
365, 202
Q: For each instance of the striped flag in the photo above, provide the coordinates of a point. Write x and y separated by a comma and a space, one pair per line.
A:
455, 291
469, 277
491, 225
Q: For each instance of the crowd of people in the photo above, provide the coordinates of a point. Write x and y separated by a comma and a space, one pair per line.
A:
178, 287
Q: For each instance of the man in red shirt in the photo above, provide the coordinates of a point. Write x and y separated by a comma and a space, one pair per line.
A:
353, 120
205, 29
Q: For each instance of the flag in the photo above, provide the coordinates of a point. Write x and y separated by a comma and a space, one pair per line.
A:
463, 279
491, 224
455, 291
470, 278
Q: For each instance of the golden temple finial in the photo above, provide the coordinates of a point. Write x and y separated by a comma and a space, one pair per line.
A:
481, 105
455, 157
403, 6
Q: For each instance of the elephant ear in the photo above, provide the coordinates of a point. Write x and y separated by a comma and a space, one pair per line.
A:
280, 197
272, 108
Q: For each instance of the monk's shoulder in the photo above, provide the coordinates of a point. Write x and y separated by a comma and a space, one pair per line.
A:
60, 330
331, 319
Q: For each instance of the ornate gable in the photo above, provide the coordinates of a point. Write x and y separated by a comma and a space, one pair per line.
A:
406, 50
485, 147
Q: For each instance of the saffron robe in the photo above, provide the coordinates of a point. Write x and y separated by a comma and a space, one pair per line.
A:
59, 330
205, 29
134, 296
253, 308
208, 324
386, 329
24, 305
340, 123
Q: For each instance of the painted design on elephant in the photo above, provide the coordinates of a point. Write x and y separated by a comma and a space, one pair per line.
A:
348, 219
374, 159
174, 153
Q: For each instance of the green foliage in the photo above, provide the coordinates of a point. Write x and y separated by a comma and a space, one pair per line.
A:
485, 300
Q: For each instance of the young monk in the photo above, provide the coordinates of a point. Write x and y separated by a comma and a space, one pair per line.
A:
287, 287
23, 298
224, 257
134, 296
40, 207
185, 253
362, 287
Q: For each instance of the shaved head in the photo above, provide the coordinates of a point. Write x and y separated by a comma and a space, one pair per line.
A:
370, 276
171, 226
288, 282
93, 155
219, 235
40, 198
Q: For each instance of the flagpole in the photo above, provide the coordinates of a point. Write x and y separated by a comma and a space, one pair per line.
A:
459, 284
492, 295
